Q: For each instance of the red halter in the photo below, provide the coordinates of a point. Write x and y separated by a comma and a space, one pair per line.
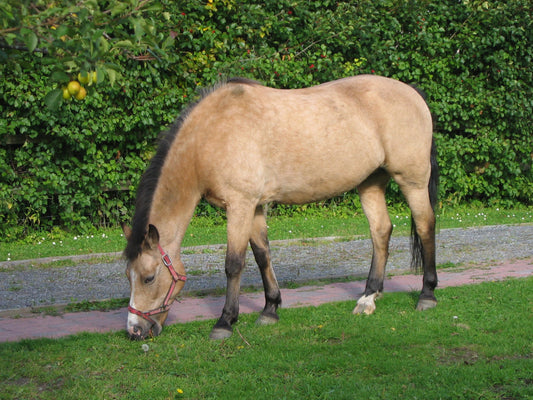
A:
166, 304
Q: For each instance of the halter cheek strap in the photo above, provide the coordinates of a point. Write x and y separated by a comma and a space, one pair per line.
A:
166, 304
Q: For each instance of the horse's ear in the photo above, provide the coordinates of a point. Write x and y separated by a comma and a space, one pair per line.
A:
127, 230
152, 237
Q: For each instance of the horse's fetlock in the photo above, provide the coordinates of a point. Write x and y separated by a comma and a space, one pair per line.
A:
274, 298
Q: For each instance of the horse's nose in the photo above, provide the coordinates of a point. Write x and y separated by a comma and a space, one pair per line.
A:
135, 332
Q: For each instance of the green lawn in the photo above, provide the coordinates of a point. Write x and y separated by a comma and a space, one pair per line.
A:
204, 231
477, 344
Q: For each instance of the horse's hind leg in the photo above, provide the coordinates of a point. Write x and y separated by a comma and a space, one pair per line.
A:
261, 250
372, 194
423, 243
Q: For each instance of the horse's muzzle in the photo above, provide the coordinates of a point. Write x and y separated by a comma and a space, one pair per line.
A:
140, 332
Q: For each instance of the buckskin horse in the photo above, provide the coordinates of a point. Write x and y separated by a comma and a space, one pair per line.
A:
243, 145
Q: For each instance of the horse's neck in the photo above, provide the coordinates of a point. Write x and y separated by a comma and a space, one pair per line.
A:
173, 206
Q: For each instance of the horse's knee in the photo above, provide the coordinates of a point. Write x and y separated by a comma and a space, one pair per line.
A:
381, 231
234, 264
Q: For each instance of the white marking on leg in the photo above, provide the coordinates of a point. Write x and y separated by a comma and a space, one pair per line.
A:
366, 304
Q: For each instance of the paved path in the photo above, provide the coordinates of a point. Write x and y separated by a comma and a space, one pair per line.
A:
23, 286
192, 308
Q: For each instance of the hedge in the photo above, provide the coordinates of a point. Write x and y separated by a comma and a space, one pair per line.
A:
78, 167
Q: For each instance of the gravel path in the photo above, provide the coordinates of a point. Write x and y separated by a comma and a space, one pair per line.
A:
25, 286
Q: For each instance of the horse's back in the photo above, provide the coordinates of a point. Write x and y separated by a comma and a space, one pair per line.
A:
302, 145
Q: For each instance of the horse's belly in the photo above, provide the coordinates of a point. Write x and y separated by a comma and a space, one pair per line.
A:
314, 185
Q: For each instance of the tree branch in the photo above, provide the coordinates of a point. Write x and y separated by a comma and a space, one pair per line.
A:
21, 47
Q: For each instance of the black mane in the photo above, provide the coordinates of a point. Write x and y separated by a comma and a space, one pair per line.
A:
243, 81
146, 189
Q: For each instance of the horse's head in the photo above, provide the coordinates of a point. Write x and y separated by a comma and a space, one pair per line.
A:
154, 284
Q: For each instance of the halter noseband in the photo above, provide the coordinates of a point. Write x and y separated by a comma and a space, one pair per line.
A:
166, 304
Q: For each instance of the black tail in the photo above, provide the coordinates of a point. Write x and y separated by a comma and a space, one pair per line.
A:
433, 188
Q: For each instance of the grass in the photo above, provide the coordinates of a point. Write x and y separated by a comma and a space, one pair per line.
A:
475, 345
104, 305
203, 231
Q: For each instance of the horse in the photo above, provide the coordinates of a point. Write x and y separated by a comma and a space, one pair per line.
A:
244, 145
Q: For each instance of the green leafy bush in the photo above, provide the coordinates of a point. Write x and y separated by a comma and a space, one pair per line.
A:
78, 166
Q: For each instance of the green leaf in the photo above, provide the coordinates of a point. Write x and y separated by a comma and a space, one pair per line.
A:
119, 9
9, 38
61, 30
97, 34
100, 75
29, 38
72, 65
59, 76
103, 45
114, 66
151, 6
112, 75
53, 99
169, 41
123, 44
137, 28
91, 5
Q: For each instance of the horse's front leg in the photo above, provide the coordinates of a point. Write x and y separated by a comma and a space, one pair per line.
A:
230, 314
239, 227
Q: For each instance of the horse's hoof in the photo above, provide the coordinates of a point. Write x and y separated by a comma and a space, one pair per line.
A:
266, 320
426, 304
219, 333
364, 309
366, 305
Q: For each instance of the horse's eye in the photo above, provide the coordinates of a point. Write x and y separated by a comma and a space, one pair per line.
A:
149, 279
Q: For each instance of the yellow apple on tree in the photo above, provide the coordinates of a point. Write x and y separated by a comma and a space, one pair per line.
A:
81, 94
73, 87
84, 78
66, 93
